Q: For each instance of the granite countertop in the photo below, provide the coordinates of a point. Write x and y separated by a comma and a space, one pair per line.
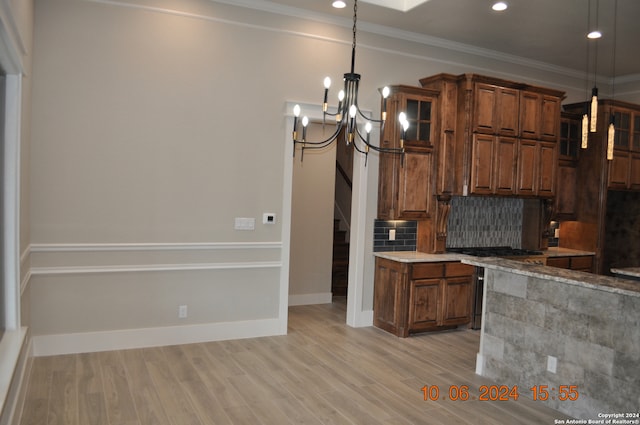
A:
571, 277
422, 257
565, 252
419, 257
627, 271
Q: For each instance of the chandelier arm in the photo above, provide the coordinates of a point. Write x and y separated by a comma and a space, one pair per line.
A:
376, 148
315, 146
323, 142
368, 118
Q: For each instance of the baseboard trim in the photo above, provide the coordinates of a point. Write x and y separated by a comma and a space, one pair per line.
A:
365, 318
13, 353
308, 299
86, 342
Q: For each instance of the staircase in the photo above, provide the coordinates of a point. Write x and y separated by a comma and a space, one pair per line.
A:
340, 269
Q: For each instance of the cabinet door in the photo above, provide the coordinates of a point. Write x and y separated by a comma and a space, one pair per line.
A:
419, 111
527, 167
415, 183
539, 116
457, 300
425, 303
530, 115
634, 174
635, 137
507, 111
570, 138
406, 182
548, 165
566, 191
485, 101
482, 165
550, 125
505, 168
389, 301
622, 138
495, 110
619, 171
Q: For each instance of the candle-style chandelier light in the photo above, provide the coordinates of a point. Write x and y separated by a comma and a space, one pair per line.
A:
348, 113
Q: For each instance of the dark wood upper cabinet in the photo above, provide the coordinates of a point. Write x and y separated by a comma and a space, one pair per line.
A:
406, 181
621, 172
505, 136
597, 178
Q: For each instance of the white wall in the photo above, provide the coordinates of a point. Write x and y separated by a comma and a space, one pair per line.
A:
155, 124
313, 186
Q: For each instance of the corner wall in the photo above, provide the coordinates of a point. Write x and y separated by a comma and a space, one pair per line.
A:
162, 132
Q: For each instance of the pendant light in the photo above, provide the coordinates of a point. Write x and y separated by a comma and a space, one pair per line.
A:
611, 133
585, 116
595, 35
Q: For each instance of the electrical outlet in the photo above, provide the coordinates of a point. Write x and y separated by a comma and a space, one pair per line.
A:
268, 218
552, 364
182, 311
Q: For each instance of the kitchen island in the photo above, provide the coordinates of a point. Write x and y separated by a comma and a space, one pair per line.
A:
569, 339
632, 273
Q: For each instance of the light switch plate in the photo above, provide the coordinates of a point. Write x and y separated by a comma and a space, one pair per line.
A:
245, 223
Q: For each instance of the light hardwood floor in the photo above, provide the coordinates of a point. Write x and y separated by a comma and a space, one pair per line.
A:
322, 372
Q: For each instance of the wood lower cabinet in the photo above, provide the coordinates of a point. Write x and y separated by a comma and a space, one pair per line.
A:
583, 263
418, 297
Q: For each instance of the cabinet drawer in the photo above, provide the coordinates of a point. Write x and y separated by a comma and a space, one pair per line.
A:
562, 262
457, 269
582, 263
427, 270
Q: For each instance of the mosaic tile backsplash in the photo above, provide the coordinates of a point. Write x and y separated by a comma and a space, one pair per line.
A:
484, 221
473, 222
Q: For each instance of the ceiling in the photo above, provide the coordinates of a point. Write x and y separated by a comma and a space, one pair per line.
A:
551, 32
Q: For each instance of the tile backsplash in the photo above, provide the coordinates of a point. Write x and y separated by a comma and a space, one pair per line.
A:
484, 221
406, 232
473, 222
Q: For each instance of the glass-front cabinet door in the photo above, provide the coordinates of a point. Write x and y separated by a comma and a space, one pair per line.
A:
419, 112
635, 144
622, 122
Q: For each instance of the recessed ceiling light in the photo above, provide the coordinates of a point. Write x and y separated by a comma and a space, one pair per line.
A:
499, 6
594, 34
339, 4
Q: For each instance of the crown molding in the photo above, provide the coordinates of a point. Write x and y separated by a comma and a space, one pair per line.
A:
267, 6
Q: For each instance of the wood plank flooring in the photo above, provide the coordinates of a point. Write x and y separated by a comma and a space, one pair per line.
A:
322, 372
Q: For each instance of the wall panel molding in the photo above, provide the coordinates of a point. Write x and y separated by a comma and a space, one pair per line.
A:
56, 259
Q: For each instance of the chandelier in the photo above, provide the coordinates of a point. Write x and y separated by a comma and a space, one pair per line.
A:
348, 113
